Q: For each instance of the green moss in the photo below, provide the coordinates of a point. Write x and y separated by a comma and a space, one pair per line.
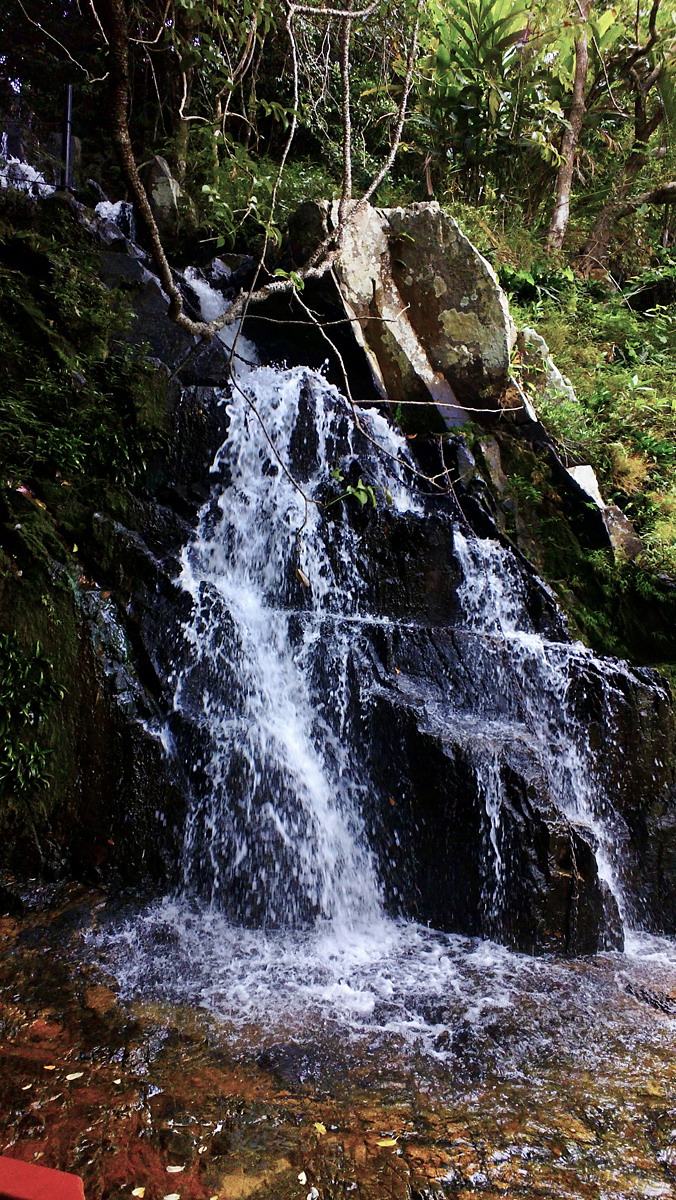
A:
84, 421
624, 424
76, 400
616, 607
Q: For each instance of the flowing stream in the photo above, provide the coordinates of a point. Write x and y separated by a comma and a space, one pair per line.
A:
281, 925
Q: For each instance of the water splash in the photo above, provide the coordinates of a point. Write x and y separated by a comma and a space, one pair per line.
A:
275, 835
561, 689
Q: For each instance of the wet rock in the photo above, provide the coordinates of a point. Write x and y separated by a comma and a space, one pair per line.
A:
100, 999
547, 897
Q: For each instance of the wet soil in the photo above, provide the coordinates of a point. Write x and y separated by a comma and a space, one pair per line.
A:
160, 1097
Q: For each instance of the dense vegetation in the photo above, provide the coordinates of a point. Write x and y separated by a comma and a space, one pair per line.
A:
545, 129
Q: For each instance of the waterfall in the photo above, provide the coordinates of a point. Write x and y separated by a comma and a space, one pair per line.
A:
295, 657
552, 683
271, 667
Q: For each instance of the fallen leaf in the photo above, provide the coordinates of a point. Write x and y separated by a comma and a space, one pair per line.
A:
397, 671
26, 1087
75, 1075
74, 547
202, 1149
321, 1129
49, 1068
302, 1178
39, 1154
172, 1196
386, 1142
140, 1192
175, 1170
117, 1081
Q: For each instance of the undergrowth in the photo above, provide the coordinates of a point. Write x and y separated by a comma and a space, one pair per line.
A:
75, 398
622, 365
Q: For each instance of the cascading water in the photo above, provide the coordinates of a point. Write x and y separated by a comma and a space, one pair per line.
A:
282, 913
550, 681
277, 836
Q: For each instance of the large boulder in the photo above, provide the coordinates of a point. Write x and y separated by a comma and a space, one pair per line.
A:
424, 304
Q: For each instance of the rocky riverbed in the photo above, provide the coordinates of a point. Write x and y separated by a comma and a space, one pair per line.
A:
140, 1094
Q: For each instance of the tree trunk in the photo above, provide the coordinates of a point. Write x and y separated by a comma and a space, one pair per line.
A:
113, 16
594, 251
564, 183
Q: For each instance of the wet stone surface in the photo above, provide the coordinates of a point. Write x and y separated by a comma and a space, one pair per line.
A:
162, 1097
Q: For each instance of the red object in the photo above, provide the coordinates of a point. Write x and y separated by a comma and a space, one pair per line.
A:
24, 1181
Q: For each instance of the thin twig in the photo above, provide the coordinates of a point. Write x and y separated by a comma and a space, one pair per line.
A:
61, 46
155, 40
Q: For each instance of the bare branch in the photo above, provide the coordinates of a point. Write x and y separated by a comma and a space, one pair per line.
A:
158, 35
346, 194
336, 12
61, 46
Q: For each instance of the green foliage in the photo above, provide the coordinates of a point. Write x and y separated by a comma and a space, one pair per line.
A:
363, 493
624, 421
606, 597
27, 694
532, 285
75, 398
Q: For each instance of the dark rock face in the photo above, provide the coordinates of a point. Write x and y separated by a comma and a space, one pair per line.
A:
444, 710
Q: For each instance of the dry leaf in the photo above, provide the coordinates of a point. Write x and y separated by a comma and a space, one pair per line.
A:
75, 1075
321, 1129
26, 1087
140, 1192
49, 1068
386, 1142
202, 1149
117, 1081
172, 1196
40, 1154
302, 1178
175, 1170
